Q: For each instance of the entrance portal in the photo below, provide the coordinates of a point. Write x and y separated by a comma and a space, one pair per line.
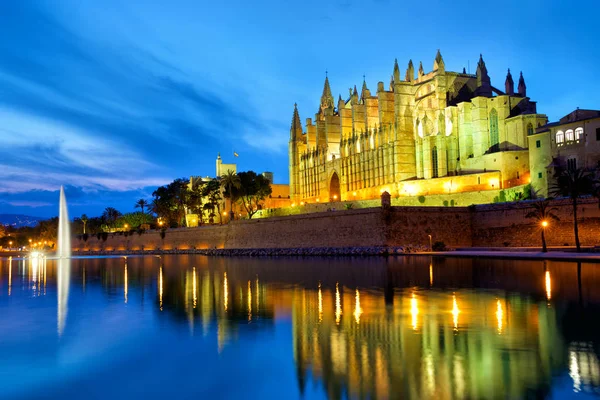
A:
334, 188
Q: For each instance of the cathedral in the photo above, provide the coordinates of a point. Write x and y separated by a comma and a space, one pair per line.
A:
438, 132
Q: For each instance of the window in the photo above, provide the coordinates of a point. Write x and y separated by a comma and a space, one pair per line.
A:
578, 134
538, 143
569, 135
494, 137
434, 162
540, 175
572, 164
560, 138
529, 129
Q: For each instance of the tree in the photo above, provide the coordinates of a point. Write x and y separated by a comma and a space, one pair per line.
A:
194, 200
142, 204
212, 193
230, 181
170, 201
542, 213
110, 215
84, 220
573, 183
253, 190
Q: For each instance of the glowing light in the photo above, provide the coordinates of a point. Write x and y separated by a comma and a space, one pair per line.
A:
318, 200
338, 304
411, 190
574, 371
293, 204
494, 182
548, 286
544, 223
357, 310
354, 194
320, 303
335, 196
160, 288
414, 311
224, 213
194, 292
430, 274
455, 312
249, 301
301, 203
125, 284
225, 291
499, 315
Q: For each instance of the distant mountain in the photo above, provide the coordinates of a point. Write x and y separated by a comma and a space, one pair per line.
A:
19, 220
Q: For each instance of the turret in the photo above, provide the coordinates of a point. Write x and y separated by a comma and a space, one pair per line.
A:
354, 99
421, 72
438, 64
365, 92
296, 128
410, 72
509, 84
326, 97
396, 74
484, 85
522, 88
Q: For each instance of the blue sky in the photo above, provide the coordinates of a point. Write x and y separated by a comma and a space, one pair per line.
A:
114, 98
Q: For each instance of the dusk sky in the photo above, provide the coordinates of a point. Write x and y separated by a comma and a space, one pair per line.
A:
113, 98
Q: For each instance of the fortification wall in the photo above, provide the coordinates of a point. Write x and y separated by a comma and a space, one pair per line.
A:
489, 225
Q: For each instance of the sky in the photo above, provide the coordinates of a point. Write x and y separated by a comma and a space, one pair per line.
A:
113, 98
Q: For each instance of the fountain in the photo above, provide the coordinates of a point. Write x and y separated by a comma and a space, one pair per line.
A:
63, 253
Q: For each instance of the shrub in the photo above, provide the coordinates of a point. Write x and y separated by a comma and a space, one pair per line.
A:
421, 199
348, 206
452, 203
439, 246
445, 203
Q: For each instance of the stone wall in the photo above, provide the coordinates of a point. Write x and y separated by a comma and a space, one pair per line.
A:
486, 225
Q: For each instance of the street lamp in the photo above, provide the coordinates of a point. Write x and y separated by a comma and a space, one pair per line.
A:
430, 243
544, 224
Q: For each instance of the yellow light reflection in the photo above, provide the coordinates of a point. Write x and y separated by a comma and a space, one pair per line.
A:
431, 274
9, 275
455, 312
160, 288
34, 262
320, 303
499, 315
338, 304
225, 291
414, 311
125, 284
548, 286
257, 295
194, 292
357, 310
574, 371
249, 301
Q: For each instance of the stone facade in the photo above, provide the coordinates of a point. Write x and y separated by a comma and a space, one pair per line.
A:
571, 142
416, 137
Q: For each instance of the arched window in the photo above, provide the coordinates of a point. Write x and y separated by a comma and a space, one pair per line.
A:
529, 129
569, 135
434, 162
494, 136
579, 134
560, 138
420, 129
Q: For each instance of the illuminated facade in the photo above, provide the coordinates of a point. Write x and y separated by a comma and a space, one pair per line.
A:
441, 132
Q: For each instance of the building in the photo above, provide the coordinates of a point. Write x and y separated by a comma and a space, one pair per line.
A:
572, 142
437, 133
280, 196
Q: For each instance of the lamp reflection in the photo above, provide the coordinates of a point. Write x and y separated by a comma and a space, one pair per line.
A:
357, 310
160, 288
9, 275
338, 304
430, 274
194, 293
548, 286
320, 304
225, 292
414, 311
249, 301
125, 283
455, 312
499, 315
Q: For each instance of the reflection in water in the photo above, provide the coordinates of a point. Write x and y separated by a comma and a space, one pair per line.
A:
9, 275
63, 281
502, 340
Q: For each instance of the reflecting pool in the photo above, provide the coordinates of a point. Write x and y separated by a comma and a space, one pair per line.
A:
403, 327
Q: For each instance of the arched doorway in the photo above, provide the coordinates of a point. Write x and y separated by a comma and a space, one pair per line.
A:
334, 188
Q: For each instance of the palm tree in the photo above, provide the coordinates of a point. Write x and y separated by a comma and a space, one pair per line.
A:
573, 183
541, 213
110, 214
141, 203
229, 181
84, 219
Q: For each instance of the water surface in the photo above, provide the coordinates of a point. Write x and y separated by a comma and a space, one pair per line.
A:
406, 327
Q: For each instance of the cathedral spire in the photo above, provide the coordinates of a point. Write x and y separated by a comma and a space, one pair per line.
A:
421, 72
296, 128
410, 72
392, 83
326, 97
396, 76
484, 85
438, 64
509, 84
365, 92
522, 88
354, 97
